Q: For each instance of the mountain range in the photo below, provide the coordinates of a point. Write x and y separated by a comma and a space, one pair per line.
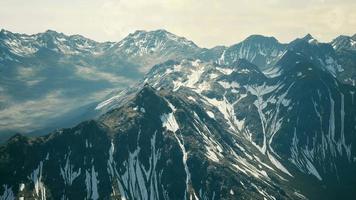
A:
161, 118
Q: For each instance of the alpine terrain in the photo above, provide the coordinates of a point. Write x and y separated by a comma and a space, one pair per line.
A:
256, 120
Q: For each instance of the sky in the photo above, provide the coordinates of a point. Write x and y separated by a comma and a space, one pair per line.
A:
206, 22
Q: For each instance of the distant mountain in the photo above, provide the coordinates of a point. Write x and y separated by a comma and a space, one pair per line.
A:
150, 48
45, 76
23, 45
319, 54
345, 47
260, 50
71, 74
68, 74
344, 42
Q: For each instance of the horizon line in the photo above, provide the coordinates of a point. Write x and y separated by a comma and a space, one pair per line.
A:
160, 29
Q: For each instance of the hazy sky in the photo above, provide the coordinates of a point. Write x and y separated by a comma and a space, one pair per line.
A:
206, 22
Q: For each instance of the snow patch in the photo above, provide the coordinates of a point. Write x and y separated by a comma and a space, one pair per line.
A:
36, 177
22, 187
142, 110
276, 163
170, 122
67, 172
191, 98
91, 183
226, 71
211, 114
8, 193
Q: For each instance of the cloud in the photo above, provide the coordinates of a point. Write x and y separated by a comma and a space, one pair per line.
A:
36, 113
93, 74
29, 76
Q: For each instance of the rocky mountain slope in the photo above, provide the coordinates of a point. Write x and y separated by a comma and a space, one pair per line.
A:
258, 120
302, 121
202, 131
148, 148
60, 71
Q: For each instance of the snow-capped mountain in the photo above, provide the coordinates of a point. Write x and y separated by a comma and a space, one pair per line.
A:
152, 47
319, 54
69, 74
202, 131
344, 42
157, 146
44, 77
345, 48
257, 120
246, 97
23, 45
267, 52
259, 50
301, 122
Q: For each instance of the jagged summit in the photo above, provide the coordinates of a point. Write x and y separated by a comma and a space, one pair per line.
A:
52, 32
260, 50
159, 34
354, 37
3, 31
147, 91
344, 42
163, 31
148, 48
310, 39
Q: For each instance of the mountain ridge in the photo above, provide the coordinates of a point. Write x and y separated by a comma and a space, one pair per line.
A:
259, 63
186, 114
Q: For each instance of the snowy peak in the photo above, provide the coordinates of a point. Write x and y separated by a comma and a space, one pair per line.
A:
320, 55
307, 40
310, 39
52, 33
260, 50
354, 37
344, 42
5, 32
152, 41
165, 35
148, 48
24, 45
